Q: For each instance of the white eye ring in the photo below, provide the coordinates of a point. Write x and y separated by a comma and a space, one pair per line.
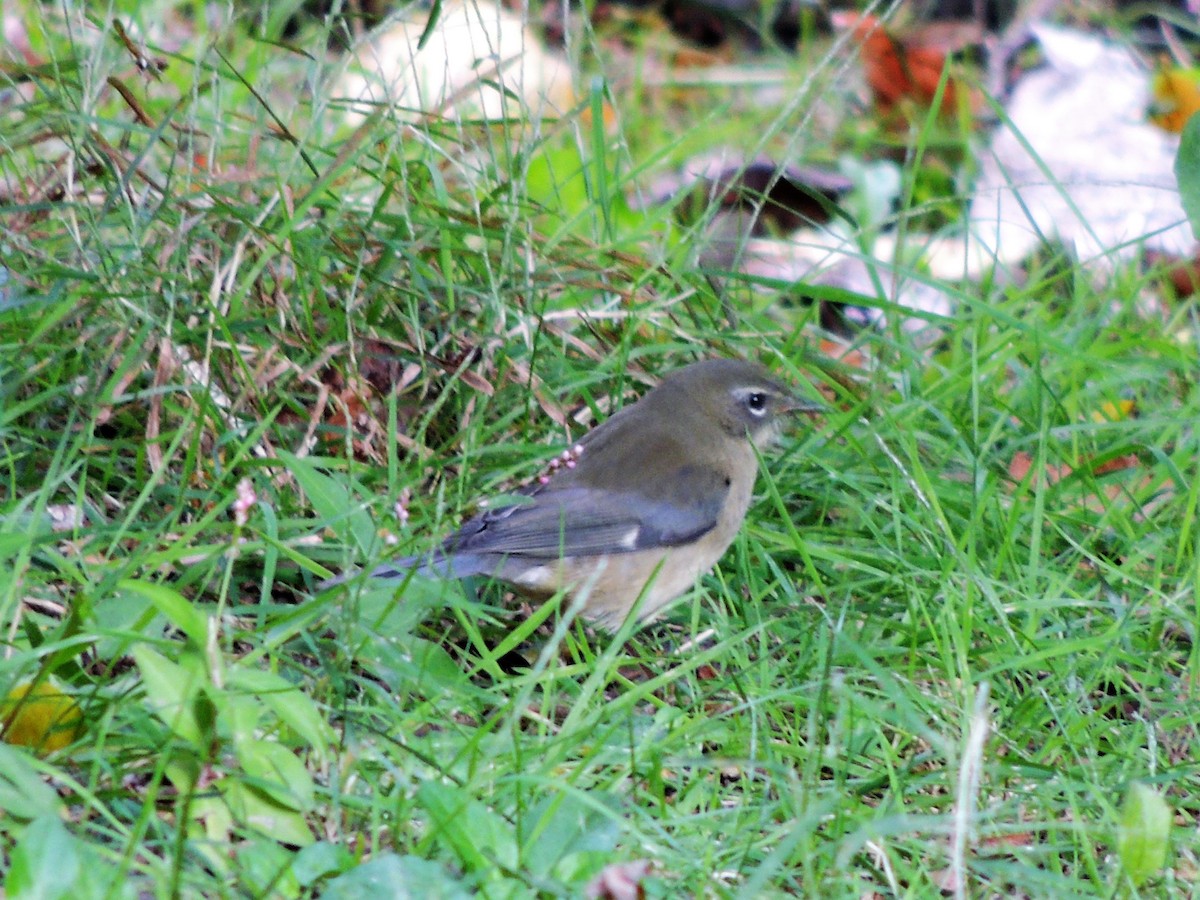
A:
756, 402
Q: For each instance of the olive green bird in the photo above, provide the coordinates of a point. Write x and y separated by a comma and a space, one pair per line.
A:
639, 508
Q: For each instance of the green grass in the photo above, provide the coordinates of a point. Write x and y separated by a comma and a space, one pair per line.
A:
914, 661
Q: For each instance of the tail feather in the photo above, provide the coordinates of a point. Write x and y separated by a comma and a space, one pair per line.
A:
437, 565
405, 566
430, 565
396, 570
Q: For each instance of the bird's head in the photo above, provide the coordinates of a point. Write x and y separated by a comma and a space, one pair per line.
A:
741, 397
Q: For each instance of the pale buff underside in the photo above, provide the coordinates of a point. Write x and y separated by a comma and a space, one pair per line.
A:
609, 586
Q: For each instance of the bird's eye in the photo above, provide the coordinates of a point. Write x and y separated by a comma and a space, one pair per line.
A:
756, 402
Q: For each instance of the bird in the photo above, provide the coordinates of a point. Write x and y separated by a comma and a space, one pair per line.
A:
639, 508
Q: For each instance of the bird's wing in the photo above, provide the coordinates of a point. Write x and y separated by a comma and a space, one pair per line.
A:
579, 520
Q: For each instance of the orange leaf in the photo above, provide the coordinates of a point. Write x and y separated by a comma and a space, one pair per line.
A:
1176, 97
902, 70
843, 353
1022, 464
1117, 464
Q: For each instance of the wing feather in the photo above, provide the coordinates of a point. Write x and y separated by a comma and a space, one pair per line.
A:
577, 520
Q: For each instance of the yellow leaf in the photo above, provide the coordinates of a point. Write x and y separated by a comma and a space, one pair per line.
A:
39, 716
1176, 97
1114, 412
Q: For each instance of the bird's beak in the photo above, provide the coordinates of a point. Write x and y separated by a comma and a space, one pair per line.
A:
796, 405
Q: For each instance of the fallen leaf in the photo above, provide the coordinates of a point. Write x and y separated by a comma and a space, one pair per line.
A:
906, 69
1182, 272
1016, 839
1059, 166
843, 352
1021, 465
1176, 97
1117, 411
39, 716
620, 881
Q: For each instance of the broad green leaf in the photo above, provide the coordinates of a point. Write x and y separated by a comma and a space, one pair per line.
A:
1143, 837
398, 878
1187, 171
476, 835
581, 194
240, 715
251, 808
23, 793
212, 818
177, 608
411, 663
563, 826
124, 617
320, 860
173, 693
12, 544
286, 700
277, 771
264, 867
337, 507
184, 771
395, 608
45, 864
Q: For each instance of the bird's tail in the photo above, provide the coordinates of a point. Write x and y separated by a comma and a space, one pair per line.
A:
436, 564
396, 570
425, 565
